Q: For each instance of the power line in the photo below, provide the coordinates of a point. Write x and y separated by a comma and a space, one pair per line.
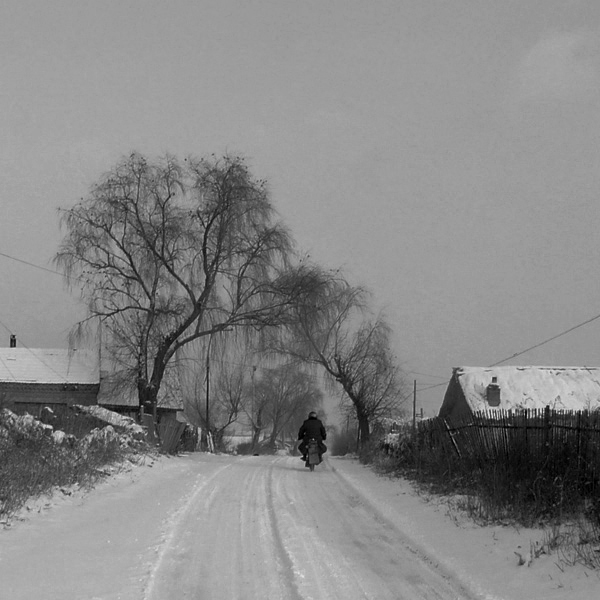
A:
24, 262
554, 337
427, 375
5, 327
37, 357
515, 355
550, 339
431, 387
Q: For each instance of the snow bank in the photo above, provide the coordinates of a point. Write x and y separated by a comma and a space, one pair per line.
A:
100, 438
120, 430
115, 419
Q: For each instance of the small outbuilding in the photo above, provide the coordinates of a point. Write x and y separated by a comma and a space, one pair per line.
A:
474, 389
31, 378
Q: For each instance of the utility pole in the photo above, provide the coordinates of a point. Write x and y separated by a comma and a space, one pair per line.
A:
252, 417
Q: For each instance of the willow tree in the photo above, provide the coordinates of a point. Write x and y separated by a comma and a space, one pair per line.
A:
290, 393
168, 251
335, 330
218, 389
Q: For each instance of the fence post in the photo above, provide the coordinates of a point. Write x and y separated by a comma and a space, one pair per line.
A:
547, 429
453, 442
579, 461
414, 415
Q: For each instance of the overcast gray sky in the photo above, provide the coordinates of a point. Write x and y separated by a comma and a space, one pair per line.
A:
445, 153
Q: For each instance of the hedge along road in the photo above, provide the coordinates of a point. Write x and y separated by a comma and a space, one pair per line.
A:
213, 527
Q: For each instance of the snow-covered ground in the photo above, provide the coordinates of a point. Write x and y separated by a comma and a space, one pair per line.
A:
485, 557
125, 539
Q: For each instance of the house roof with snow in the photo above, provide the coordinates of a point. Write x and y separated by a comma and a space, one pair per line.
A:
523, 387
48, 366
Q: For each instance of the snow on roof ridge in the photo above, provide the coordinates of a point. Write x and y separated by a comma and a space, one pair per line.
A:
572, 388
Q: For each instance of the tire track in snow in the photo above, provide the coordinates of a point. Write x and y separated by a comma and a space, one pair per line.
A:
341, 548
172, 524
463, 589
319, 571
285, 566
266, 527
223, 544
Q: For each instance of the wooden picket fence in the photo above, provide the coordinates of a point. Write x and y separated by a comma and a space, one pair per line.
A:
170, 432
545, 440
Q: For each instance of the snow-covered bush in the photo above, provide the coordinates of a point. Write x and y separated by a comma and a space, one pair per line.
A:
36, 457
26, 426
61, 438
99, 439
120, 422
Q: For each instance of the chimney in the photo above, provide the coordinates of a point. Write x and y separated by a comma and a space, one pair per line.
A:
493, 393
13, 340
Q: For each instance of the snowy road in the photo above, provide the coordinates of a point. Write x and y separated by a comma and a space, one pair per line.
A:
265, 527
219, 527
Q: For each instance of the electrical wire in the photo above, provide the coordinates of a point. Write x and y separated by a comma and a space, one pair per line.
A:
24, 262
30, 264
515, 355
554, 337
36, 356
538, 345
431, 387
427, 375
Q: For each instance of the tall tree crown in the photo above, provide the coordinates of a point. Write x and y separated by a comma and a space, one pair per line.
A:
167, 251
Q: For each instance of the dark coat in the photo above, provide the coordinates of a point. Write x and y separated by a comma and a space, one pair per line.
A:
312, 428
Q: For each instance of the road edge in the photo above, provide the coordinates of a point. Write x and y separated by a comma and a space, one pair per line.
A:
452, 572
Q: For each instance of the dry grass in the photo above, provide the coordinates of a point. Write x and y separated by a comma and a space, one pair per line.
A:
33, 464
544, 494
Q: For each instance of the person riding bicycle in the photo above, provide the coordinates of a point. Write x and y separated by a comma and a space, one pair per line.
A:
312, 428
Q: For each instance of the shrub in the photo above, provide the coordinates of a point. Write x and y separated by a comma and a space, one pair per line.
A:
70, 421
514, 480
32, 463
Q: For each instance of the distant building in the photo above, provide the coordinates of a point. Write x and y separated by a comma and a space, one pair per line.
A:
474, 389
31, 378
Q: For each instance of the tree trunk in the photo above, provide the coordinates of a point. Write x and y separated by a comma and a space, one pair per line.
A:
273, 438
255, 437
363, 429
256, 430
148, 401
148, 390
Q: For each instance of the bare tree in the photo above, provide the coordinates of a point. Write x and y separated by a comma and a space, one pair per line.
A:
366, 370
167, 252
334, 330
215, 381
291, 393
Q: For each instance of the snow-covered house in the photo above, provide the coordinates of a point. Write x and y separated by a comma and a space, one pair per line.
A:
516, 388
31, 378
